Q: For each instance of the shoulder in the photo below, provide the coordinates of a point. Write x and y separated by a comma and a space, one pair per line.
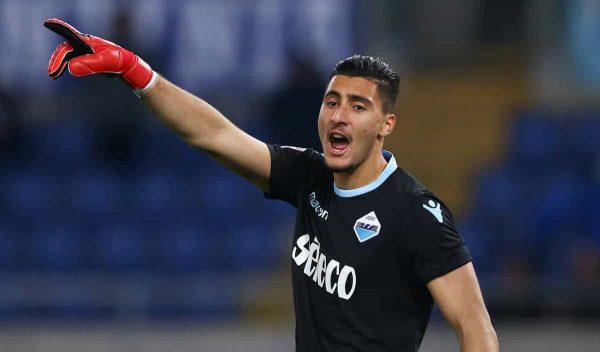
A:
407, 187
291, 153
294, 170
420, 206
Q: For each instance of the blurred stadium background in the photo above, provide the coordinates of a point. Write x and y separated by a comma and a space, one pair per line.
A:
115, 236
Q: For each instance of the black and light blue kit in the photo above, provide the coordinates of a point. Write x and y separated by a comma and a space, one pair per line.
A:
361, 258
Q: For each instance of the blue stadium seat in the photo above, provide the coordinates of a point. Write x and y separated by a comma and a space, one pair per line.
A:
504, 202
592, 212
537, 142
541, 201
212, 297
56, 247
496, 193
561, 219
279, 210
187, 247
558, 219
119, 248
10, 247
160, 193
222, 191
479, 241
165, 149
580, 250
254, 246
32, 193
9, 307
583, 144
95, 194
65, 143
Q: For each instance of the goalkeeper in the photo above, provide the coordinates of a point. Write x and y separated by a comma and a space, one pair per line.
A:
373, 248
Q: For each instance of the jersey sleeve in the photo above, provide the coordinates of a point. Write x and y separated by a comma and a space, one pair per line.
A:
291, 170
434, 245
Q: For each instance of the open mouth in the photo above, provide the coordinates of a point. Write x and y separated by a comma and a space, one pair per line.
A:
339, 143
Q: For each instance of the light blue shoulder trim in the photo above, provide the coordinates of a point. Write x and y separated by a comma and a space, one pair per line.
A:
387, 171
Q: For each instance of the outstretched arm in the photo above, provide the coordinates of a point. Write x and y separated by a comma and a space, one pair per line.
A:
197, 122
459, 298
205, 128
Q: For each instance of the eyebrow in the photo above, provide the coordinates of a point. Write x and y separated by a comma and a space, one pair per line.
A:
354, 97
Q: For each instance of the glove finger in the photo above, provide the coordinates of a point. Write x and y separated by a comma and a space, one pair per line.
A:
103, 62
71, 34
59, 59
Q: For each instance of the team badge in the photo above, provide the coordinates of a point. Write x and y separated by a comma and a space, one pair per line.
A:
367, 227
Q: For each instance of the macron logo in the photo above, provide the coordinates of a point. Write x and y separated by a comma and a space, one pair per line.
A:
314, 203
434, 208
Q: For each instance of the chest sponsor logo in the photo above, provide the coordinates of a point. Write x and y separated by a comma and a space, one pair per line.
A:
435, 210
335, 278
314, 203
367, 227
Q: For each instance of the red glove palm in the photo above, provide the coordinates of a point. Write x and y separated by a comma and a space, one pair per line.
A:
86, 54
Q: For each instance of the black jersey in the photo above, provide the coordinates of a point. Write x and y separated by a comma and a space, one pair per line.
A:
361, 258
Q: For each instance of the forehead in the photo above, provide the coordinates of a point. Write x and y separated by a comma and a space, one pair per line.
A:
354, 85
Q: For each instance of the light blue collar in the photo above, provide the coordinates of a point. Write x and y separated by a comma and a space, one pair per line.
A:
387, 171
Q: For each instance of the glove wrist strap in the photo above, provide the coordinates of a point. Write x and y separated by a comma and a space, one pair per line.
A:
144, 90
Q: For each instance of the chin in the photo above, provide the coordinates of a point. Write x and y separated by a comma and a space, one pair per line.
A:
338, 167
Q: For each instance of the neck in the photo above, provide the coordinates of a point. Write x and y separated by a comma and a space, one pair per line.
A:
364, 174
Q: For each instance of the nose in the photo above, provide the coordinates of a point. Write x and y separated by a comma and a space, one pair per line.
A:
339, 116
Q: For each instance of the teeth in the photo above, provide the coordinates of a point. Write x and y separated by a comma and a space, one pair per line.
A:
337, 135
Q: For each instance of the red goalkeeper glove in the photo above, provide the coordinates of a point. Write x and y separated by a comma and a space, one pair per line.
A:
86, 54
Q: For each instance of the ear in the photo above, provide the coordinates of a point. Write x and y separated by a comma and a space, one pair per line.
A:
388, 125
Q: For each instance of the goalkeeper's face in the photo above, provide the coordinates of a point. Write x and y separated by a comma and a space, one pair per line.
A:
352, 123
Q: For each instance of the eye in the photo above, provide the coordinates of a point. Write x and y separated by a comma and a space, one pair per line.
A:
331, 103
358, 107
